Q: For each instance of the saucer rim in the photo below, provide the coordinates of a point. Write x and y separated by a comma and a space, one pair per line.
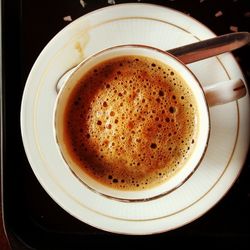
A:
222, 63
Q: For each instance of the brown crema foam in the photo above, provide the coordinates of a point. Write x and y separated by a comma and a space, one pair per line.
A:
130, 123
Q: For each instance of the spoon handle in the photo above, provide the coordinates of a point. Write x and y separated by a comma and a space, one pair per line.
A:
210, 47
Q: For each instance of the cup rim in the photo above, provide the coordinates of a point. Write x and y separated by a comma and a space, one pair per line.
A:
120, 197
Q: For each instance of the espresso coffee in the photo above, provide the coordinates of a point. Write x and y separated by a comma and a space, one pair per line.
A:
130, 123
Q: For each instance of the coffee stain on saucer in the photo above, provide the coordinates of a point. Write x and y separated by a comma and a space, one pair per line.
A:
81, 42
73, 53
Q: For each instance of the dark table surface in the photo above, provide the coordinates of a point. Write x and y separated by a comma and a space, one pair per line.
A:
31, 218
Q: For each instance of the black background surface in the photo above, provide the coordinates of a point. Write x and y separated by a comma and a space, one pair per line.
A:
32, 219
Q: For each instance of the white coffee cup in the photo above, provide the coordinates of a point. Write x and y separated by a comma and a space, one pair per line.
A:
216, 94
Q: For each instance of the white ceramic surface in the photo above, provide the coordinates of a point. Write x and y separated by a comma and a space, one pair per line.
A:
122, 24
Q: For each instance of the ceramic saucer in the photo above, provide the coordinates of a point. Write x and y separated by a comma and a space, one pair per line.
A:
138, 24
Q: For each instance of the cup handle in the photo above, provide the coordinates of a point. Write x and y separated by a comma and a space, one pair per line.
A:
224, 92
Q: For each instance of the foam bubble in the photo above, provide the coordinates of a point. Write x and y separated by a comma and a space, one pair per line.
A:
131, 123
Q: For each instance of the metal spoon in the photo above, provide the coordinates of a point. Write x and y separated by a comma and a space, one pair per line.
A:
197, 51
211, 47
